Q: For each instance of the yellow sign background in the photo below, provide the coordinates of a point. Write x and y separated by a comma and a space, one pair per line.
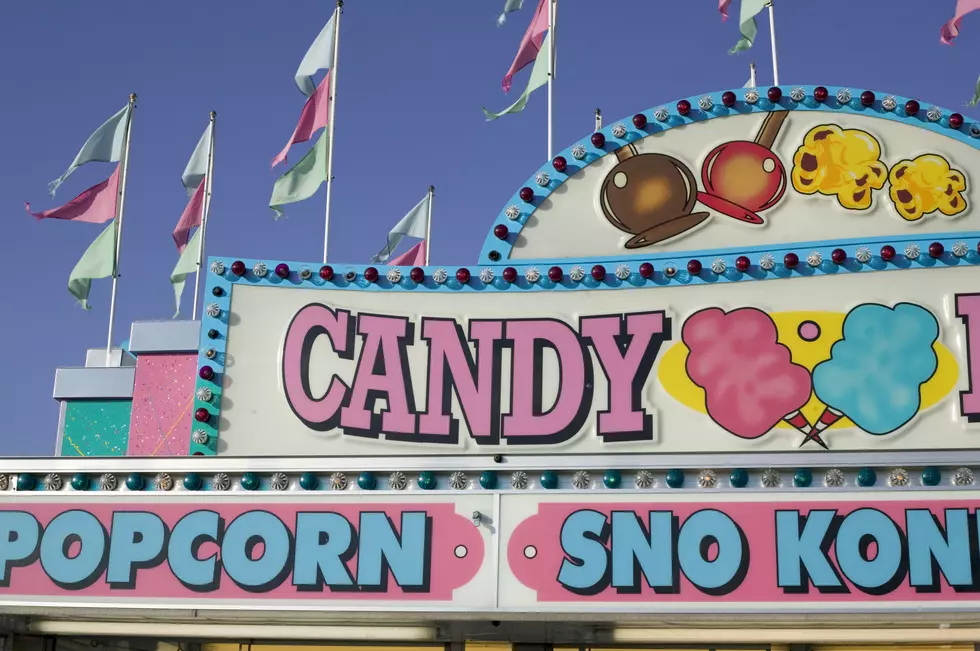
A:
672, 372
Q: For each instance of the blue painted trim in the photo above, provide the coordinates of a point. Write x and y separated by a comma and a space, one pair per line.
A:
674, 119
217, 345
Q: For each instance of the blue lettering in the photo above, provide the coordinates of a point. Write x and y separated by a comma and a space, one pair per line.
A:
190, 532
381, 548
136, 542
643, 551
20, 533
801, 554
242, 537
934, 554
861, 528
324, 542
698, 533
585, 569
67, 567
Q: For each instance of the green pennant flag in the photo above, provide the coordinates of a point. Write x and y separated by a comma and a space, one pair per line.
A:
186, 265
302, 180
97, 262
746, 23
538, 78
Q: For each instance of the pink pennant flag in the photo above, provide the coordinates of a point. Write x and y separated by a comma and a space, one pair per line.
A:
312, 119
190, 218
952, 28
96, 205
531, 43
723, 9
414, 257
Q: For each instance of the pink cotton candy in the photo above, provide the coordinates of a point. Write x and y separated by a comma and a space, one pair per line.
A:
749, 379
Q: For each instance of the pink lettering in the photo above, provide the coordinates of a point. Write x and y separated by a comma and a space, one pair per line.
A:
382, 371
626, 349
968, 309
477, 383
527, 421
309, 323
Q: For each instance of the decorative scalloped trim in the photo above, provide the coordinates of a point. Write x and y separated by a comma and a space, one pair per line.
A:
495, 249
914, 478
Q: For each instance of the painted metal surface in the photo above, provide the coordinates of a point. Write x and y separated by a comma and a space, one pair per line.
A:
703, 371
794, 189
164, 337
163, 398
95, 428
561, 553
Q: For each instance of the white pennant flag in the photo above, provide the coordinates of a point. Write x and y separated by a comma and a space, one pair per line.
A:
412, 225
197, 166
318, 57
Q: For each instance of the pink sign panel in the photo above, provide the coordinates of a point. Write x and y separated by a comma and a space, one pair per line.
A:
365, 552
163, 403
738, 552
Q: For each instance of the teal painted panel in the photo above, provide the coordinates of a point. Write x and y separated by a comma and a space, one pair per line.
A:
96, 428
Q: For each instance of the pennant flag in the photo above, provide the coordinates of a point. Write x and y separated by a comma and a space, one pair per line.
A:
951, 29
509, 6
312, 119
530, 44
412, 225
97, 205
190, 218
303, 179
723, 9
746, 23
99, 261
186, 265
104, 146
414, 257
318, 57
197, 166
538, 78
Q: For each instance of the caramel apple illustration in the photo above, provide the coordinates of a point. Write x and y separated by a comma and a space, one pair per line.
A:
742, 178
650, 196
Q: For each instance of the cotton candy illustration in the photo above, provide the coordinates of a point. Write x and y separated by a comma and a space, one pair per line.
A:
749, 379
875, 371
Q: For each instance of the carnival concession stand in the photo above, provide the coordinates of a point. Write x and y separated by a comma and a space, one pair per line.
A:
683, 399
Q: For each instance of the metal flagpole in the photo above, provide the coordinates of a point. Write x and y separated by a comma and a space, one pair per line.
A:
752, 75
551, 65
333, 106
598, 120
205, 210
772, 40
428, 224
119, 225
553, 28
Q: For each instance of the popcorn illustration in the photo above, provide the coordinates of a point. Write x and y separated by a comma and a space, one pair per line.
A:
839, 162
924, 185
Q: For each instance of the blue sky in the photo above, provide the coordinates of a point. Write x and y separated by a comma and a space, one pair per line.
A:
412, 78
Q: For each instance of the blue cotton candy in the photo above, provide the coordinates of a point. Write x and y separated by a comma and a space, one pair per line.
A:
875, 371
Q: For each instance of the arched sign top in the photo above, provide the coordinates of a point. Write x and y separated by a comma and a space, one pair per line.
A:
808, 167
